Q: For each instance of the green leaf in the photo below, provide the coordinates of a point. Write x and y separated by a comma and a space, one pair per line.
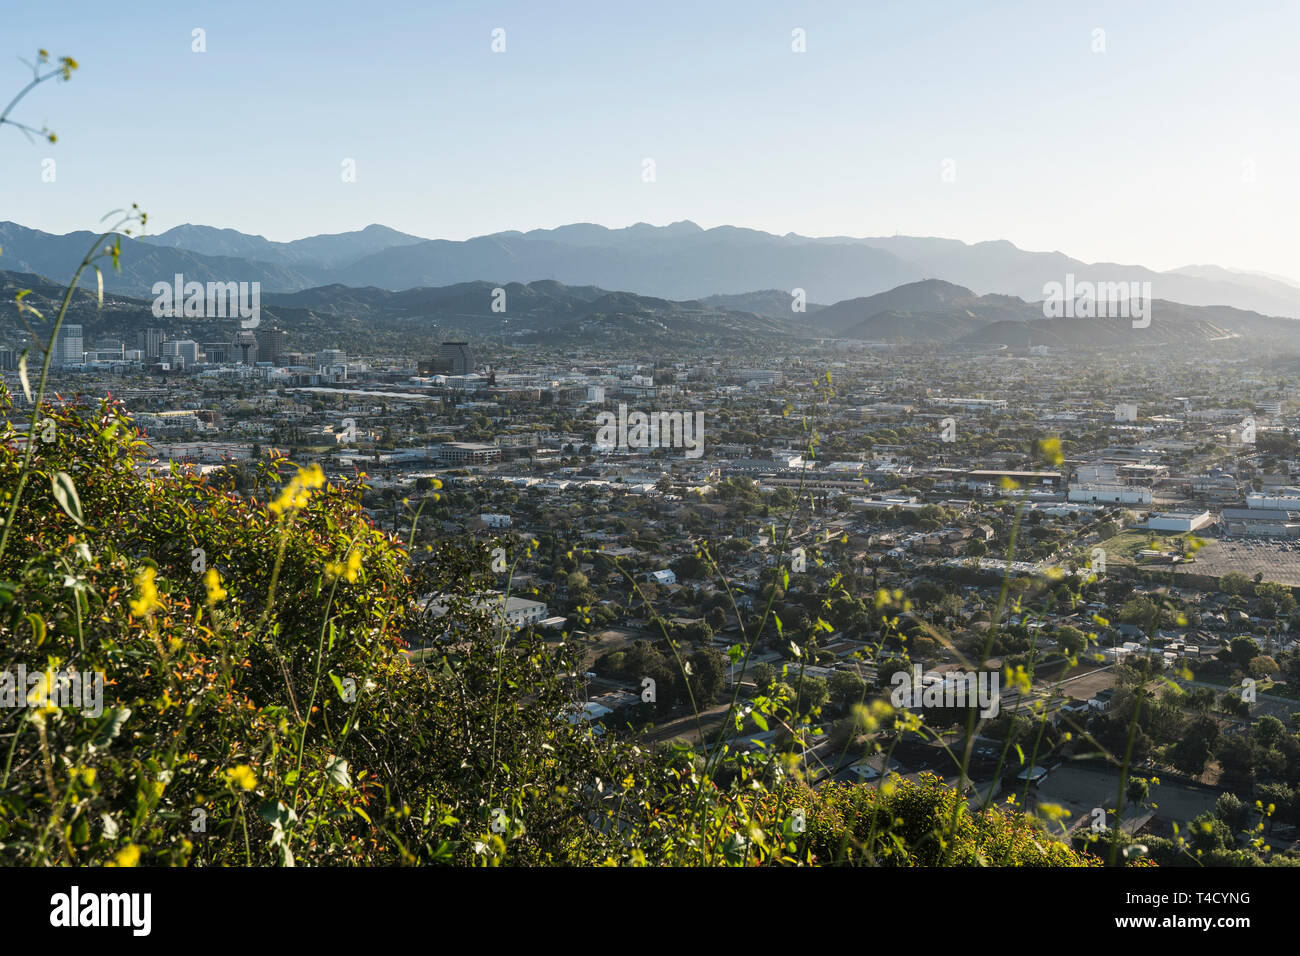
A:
759, 720
22, 376
110, 726
65, 493
38, 628
337, 770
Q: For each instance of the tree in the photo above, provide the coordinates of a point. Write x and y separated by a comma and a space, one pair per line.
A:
1208, 833
1262, 667
1140, 611
887, 667
1231, 703
708, 675
1200, 699
1275, 600
846, 688
1237, 757
1269, 730
698, 633
1234, 813
1071, 640
1234, 582
691, 566
813, 691
1193, 749
1243, 651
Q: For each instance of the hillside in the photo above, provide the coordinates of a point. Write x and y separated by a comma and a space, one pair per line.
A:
680, 261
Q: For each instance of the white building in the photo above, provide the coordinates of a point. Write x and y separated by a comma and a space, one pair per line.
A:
1179, 521
515, 611
496, 521
1126, 413
1109, 494
1279, 499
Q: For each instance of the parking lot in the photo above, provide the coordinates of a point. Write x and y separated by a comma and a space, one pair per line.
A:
1278, 561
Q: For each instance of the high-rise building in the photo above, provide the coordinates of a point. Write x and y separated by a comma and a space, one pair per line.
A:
182, 353
188, 349
272, 343
459, 355
8, 358
331, 357
434, 366
68, 347
107, 350
243, 348
149, 341
217, 353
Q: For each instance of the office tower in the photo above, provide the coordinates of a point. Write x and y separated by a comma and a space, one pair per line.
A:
68, 348
331, 357
272, 344
243, 348
459, 355
181, 353
149, 341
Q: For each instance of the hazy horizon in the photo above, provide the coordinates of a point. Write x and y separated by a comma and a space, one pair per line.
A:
1009, 121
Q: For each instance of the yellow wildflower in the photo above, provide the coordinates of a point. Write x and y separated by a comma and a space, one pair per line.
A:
1018, 678
297, 492
242, 775
212, 581
41, 697
146, 601
127, 856
1050, 449
338, 569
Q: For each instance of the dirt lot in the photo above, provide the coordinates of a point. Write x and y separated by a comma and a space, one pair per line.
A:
606, 642
1084, 684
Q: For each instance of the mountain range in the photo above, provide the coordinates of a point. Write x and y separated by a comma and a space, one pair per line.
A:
929, 313
721, 267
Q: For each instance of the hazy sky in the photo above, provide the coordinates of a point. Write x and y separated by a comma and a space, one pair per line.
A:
1178, 144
